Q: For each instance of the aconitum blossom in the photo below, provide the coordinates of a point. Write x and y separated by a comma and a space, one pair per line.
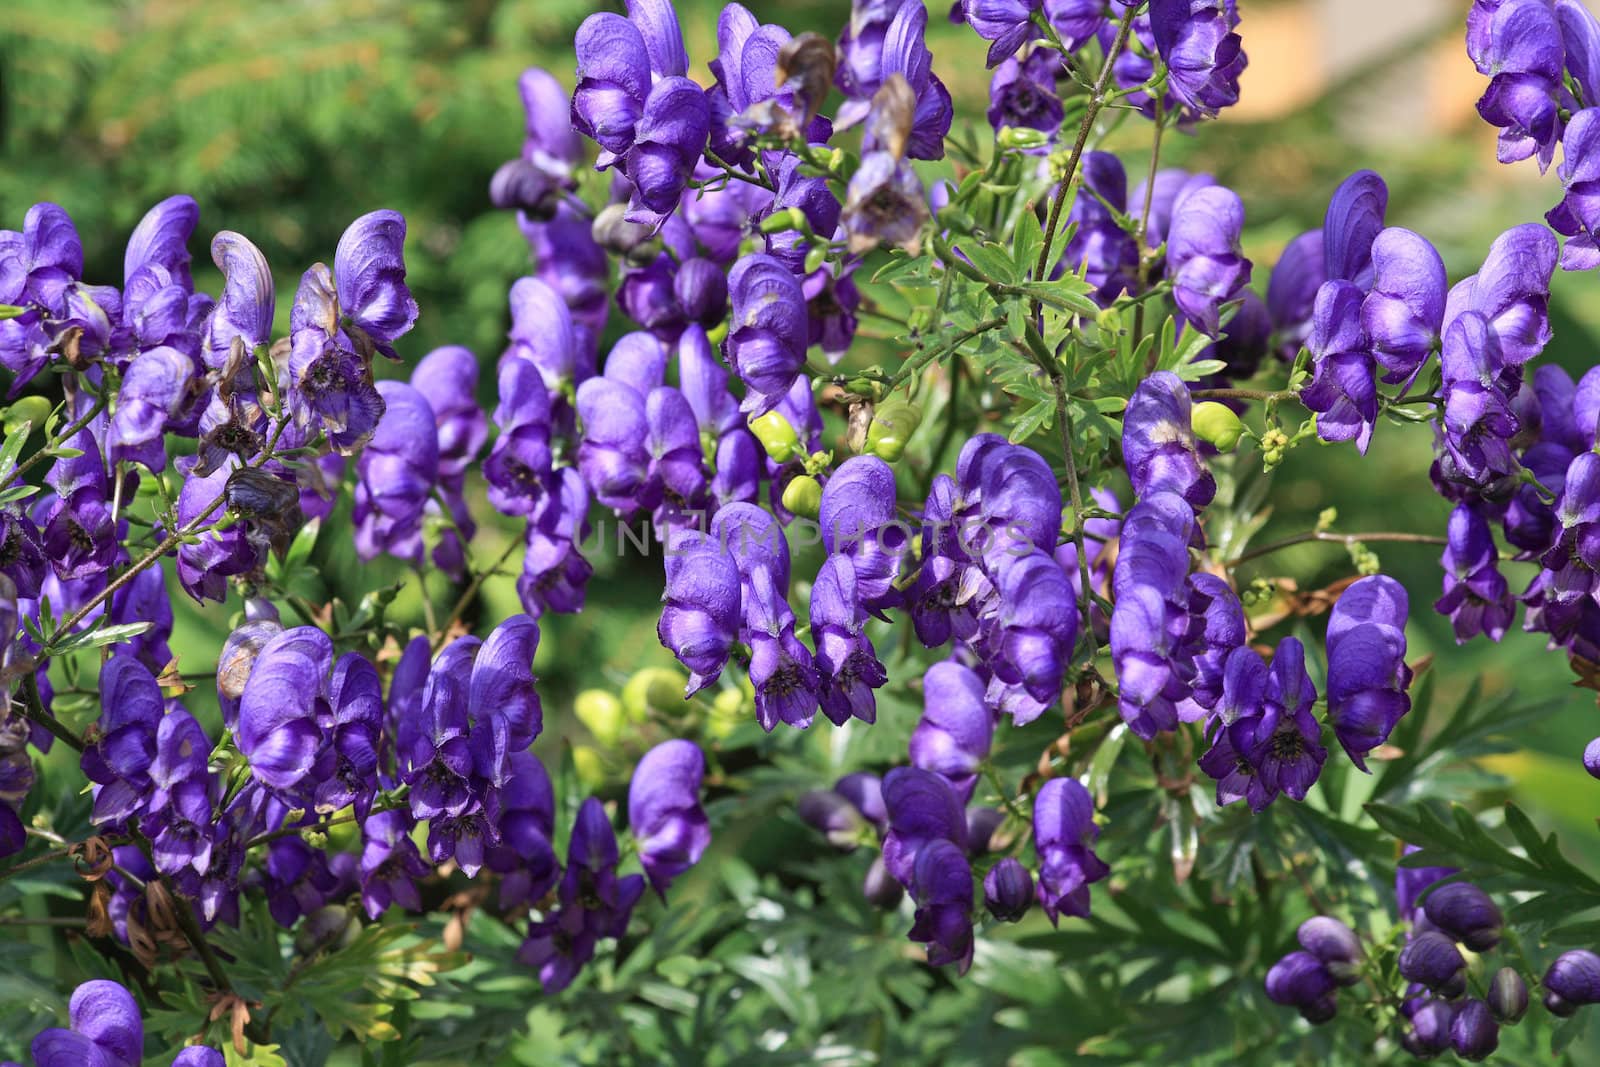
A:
1063, 834
664, 812
1476, 597
1351, 224
941, 889
1008, 890
155, 389
1006, 24
952, 738
122, 747
766, 344
1301, 980
1265, 741
858, 520
1577, 217
1158, 444
1292, 291
1204, 262
1521, 50
395, 476
1217, 628
847, 664
525, 816
1022, 94
1367, 672
39, 267
668, 141
1032, 634
390, 865
884, 204
1341, 392
1150, 622
1404, 313
1106, 253
106, 1030
278, 710
1197, 42
448, 379
921, 807
1572, 980
700, 612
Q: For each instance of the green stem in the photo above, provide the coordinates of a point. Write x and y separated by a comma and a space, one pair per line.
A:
469, 592
1064, 416
1341, 539
66, 435
33, 711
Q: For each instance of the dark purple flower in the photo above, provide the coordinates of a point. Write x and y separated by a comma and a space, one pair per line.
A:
555, 573
1031, 636
904, 52
952, 738
1573, 979
155, 389
1063, 834
664, 811
517, 468
668, 140
396, 475
1410, 882
328, 383
941, 888
832, 815
1006, 24
1158, 445
1352, 223
278, 711
858, 520
1577, 217
1341, 392
1473, 1033
846, 662
1106, 254
1022, 94
767, 330
1520, 48
1299, 980
1466, 913
1008, 890
122, 746
39, 270
1216, 629
1267, 741
390, 864
1476, 597
1150, 622
1197, 42
1292, 291
1367, 672
1430, 959
205, 566
1204, 262
524, 858
1335, 944
921, 808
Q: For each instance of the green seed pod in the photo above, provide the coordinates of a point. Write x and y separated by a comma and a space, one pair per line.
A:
29, 409
893, 423
658, 689
803, 496
1216, 423
776, 436
601, 713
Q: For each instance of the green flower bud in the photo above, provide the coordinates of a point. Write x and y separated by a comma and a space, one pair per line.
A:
1021, 137
893, 423
32, 410
601, 714
776, 436
788, 219
654, 689
803, 496
589, 765
1216, 423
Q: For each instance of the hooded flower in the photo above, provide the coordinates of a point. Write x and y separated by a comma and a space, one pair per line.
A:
1197, 42
1476, 597
766, 343
921, 808
953, 737
941, 888
1404, 312
1519, 45
1063, 834
858, 520
1031, 637
1150, 623
700, 611
1341, 392
1367, 672
1107, 254
664, 811
106, 1030
1005, 24
846, 662
396, 475
1158, 445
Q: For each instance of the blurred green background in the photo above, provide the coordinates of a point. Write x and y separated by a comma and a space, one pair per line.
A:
286, 120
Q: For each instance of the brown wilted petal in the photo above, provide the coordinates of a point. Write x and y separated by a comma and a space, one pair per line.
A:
860, 421
894, 110
98, 914
809, 60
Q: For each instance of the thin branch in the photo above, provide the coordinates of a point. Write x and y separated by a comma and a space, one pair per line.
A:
469, 592
33, 710
66, 435
1333, 538
1086, 583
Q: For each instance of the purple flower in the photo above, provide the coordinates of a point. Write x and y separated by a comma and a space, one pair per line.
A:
542, 333
1008, 890
1341, 392
952, 738
1265, 739
555, 573
1292, 291
278, 711
1404, 312
1577, 217
1367, 672
525, 822
1151, 621
640, 450
1158, 445
1107, 254
155, 389
884, 203
664, 811
1031, 637
122, 746
1217, 628
1431, 960
396, 475
1476, 597
1519, 46
448, 379
902, 51
767, 331
1411, 882
1512, 291
858, 520
921, 808
518, 465
1466, 913
941, 888
1299, 980
1077, 21
106, 1030
1204, 262
1474, 1035
1006, 24
1573, 979
700, 611
1022, 94
1063, 834
846, 662
205, 566
1335, 944
1352, 223
390, 864
39, 271
1197, 42
668, 140
614, 79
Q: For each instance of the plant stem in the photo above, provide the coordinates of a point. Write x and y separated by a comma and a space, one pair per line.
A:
957, 369
33, 711
911, 367
469, 592
1064, 416
66, 435
1342, 539
1097, 100
1244, 394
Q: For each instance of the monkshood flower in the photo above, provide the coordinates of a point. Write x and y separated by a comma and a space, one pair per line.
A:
1063, 834
177, 816
555, 573
846, 662
1512, 291
569, 260
1171, 186
1300, 980
1404, 312
205, 565
858, 521
1204, 262
1076, 21
1432, 960
811, 195
1006, 24
1572, 980
242, 317
122, 745
764, 85
1158, 445
1478, 389
106, 1030
701, 287
700, 608
390, 865
1411, 882
543, 333
593, 903
952, 738
903, 51
1474, 1035
1150, 623
1022, 94
1560, 600
1335, 944
517, 468
1028, 643
525, 821
297, 879
782, 670
159, 304
1265, 741
1476, 597
668, 141
884, 204
921, 808
339, 323
1518, 44
1008, 890
664, 813
831, 302
346, 770
1367, 672
78, 535
395, 475
1577, 217
1106, 254
1201, 50
281, 704
39, 267
550, 149
447, 378
1466, 913
1216, 629
941, 889
640, 450
1292, 291
155, 390
767, 330
1009, 499
1352, 223
1342, 391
